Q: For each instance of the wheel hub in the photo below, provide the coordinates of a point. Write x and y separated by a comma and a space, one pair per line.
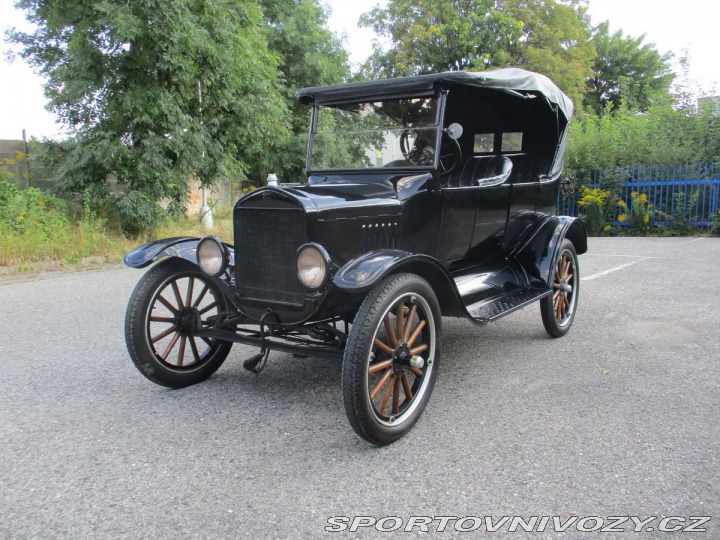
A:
189, 321
401, 359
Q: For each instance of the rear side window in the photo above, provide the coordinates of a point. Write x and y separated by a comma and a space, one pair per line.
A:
484, 143
511, 141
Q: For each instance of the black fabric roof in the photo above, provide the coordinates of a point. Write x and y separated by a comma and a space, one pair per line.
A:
510, 79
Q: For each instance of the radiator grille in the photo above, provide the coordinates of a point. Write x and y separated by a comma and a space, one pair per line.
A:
266, 240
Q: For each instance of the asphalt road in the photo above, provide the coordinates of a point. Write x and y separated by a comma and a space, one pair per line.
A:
619, 418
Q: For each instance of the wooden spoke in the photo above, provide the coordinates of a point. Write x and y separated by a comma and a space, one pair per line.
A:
164, 319
567, 303
181, 352
188, 298
384, 348
406, 387
396, 395
417, 371
409, 322
391, 331
568, 277
194, 348
386, 395
167, 304
556, 295
207, 308
401, 318
418, 350
201, 296
381, 384
556, 286
170, 346
416, 333
166, 333
176, 291
380, 366
567, 267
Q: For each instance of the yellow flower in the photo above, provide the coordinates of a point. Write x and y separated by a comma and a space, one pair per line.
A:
622, 218
646, 219
621, 203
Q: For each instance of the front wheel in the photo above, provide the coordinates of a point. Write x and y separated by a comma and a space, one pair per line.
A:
558, 310
163, 309
392, 358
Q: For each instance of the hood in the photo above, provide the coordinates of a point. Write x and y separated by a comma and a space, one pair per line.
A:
339, 197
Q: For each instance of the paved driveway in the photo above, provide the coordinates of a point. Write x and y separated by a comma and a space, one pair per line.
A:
619, 418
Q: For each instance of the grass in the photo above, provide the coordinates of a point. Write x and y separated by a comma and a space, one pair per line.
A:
69, 243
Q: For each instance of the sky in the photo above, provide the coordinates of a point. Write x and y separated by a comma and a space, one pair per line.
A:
672, 25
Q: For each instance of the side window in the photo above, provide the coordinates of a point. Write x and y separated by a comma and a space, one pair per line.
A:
484, 143
512, 142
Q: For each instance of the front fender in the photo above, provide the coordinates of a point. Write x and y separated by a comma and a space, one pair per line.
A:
362, 274
184, 247
539, 254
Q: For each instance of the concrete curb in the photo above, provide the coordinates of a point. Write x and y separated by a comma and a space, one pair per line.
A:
86, 263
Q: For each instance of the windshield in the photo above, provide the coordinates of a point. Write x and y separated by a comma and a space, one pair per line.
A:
389, 133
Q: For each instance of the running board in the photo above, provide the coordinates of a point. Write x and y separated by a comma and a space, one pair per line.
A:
490, 310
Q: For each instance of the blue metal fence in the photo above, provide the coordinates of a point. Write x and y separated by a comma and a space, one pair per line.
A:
687, 193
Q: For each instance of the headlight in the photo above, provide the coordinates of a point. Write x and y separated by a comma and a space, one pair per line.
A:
312, 265
212, 256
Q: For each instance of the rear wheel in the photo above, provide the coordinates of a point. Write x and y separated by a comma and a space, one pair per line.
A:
164, 307
558, 309
391, 358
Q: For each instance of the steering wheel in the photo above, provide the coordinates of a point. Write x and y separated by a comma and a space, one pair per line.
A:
404, 146
450, 155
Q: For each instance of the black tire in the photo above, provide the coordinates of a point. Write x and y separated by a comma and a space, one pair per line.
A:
167, 294
558, 310
386, 342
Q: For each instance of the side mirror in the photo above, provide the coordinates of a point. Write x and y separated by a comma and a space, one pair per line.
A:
454, 131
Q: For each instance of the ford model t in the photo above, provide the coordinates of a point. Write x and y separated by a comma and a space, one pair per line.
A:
426, 197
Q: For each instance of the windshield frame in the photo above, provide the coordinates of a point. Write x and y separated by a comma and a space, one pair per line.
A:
439, 114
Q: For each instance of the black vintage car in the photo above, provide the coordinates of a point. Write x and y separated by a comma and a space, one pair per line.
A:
426, 197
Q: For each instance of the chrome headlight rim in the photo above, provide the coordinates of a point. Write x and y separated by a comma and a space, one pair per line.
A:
327, 263
223, 252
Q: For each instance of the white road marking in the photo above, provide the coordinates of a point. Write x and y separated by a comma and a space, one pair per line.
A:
610, 271
642, 257
692, 241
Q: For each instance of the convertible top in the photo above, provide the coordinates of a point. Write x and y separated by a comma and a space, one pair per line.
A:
512, 80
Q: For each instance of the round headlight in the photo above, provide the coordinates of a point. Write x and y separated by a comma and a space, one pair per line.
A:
312, 266
211, 256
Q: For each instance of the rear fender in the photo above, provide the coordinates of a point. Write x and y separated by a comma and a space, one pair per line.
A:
539, 254
360, 275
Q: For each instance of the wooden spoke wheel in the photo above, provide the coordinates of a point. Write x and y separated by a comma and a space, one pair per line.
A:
391, 358
168, 303
558, 310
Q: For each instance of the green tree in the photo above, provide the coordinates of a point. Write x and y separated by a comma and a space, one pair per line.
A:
556, 41
626, 73
309, 55
429, 36
124, 77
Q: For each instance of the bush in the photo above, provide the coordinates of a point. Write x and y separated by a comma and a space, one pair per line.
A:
593, 201
26, 210
638, 214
